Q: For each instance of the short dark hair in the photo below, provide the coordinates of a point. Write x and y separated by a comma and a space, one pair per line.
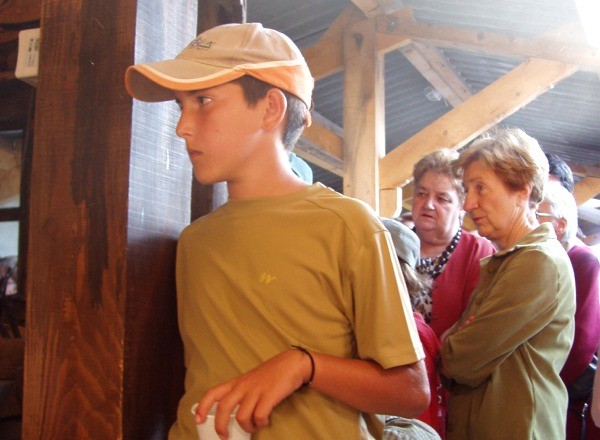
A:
560, 170
255, 89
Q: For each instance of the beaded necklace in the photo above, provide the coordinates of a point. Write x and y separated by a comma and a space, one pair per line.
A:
433, 266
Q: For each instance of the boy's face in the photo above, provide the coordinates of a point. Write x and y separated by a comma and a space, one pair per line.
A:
220, 130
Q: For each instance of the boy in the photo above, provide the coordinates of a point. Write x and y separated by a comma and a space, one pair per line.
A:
291, 306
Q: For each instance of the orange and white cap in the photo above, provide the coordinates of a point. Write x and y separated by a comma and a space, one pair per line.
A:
222, 54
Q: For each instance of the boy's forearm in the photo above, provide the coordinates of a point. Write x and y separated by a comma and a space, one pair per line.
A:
366, 386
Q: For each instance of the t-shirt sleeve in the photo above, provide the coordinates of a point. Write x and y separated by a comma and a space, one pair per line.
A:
382, 316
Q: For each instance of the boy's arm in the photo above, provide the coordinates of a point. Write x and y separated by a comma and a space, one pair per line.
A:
366, 386
363, 385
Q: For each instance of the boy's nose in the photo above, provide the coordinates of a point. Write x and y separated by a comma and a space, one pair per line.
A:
183, 127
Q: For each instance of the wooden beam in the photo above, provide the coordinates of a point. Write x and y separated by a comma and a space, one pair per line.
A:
372, 8
399, 29
326, 134
322, 144
364, 118
390, 202
436, 69
584, 170
10, 215
586, 189
545, 47
312, 153
324, 58
479, 113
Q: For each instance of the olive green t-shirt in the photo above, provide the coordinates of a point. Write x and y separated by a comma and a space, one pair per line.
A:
313, 268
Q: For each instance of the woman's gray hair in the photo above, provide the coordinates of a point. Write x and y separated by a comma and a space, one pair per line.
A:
562, 204
440, 162
515, 157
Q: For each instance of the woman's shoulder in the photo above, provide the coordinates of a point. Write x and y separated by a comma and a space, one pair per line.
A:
583, 255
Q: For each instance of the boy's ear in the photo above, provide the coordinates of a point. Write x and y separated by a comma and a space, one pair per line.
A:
276, 106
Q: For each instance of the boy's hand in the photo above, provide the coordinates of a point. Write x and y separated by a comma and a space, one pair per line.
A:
256, 392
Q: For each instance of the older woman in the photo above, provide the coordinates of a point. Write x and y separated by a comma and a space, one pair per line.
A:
449, 255
503, 357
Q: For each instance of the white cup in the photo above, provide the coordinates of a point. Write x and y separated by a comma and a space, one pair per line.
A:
206, 430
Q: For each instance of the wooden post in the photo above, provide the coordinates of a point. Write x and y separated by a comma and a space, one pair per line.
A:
364, 117
109, 197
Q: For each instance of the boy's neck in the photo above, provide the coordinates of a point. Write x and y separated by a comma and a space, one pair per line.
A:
260, 190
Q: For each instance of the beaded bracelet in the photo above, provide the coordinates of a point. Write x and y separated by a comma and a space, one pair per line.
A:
312, 364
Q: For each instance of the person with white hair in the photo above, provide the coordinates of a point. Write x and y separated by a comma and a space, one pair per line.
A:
560, 209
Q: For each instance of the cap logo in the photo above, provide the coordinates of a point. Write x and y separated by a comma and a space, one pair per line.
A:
199, 42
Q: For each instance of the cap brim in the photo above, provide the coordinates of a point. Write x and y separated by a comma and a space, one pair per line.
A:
155, 82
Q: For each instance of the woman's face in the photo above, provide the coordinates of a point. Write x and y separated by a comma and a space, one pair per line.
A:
436, 207
497, 211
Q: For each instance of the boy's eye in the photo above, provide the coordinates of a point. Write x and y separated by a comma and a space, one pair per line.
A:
203, 100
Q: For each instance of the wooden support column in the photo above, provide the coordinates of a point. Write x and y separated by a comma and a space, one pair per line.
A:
364, 118
109, 197
390, 202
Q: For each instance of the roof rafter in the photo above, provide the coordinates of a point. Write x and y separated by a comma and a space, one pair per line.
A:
480, 112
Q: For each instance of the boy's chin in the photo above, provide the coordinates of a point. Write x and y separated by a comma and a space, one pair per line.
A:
206, 180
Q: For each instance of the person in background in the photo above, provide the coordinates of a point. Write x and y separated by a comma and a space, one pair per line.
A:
560, 210
559, 171
301, 168
407, 246
291, 304
449, 254
502, 359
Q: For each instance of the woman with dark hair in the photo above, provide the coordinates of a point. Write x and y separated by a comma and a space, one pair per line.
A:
503, 357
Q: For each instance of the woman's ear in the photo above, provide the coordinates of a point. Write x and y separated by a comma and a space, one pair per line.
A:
275, 110
560, 225
525, 194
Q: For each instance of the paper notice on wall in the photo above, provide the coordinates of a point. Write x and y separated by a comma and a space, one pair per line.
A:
28, 56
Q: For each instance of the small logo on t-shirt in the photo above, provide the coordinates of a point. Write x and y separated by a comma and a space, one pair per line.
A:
266, 278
